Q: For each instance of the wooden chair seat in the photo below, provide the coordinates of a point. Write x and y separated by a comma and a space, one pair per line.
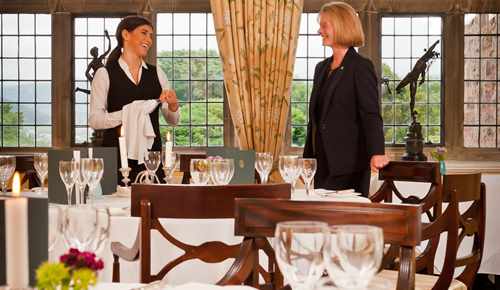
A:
152, 202
422, 281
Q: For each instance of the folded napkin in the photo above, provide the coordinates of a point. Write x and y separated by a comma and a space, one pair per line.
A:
139, 133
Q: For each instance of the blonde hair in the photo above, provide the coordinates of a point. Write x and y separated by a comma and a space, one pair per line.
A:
347, 29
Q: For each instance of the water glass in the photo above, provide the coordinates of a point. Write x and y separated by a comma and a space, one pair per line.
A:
169, 161
289, 169
68, 171
92, 169
80, 225
299, 247
41, 164
55, 224
263, 165
152, 160
354, 255
199, 169
221, 171
307, 171
7, 167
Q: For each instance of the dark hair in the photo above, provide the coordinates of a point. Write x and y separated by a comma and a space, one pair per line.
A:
129, 23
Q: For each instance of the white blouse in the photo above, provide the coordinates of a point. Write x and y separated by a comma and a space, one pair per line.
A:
99, 118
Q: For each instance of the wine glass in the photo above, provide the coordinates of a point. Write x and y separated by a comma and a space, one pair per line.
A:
68, 171
263, 165
152, 160
55, 224
307, 170
221, 171
354, 255
299, 247
199, 169
169, 160
80, 226
7, 167
289, 169
41, 164
102, 230
93, 169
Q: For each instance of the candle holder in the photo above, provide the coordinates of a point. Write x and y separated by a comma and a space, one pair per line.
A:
145, 177
168, 170
125, 172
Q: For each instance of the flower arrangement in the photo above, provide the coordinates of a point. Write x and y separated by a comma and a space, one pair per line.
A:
439, 154
75, 270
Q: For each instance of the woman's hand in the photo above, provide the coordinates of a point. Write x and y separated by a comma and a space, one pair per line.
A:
170, 97
378, 161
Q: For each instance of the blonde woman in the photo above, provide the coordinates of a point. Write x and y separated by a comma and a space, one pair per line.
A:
345, 130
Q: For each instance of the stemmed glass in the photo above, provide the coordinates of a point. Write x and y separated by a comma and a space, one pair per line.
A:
289, 169
307, 171
263, 165
152, 160
221, 171
354, 255
199, 169
55, 224
169, 161
80, 225
93, 169
299, 247
41, 164
68, 170
7, 167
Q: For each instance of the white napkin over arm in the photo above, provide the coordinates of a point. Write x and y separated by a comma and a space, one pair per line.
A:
138, 129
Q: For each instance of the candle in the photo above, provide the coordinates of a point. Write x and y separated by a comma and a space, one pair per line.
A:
168, 149
76, 155
16, 242
123, 149
16, 184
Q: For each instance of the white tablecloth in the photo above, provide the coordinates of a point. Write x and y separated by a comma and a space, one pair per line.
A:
124, 229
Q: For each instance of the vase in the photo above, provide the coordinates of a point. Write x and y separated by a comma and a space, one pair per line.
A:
442, 167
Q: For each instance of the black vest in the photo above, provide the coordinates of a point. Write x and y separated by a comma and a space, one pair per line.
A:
123, 91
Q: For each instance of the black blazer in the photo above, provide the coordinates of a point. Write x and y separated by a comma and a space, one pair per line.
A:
350, 125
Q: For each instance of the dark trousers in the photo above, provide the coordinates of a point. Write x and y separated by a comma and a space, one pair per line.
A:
359, 181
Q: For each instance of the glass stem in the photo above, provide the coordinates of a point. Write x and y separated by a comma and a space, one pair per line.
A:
263, 178
69, 192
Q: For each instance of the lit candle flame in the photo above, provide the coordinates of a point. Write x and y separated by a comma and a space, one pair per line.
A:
169, 137
16, 184
122, 131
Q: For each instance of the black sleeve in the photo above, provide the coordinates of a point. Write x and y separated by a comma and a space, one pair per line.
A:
368, 107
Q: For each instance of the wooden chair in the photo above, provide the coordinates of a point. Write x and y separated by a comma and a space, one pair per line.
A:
152, 202
421, 172
468, 188
256, 220
184, 162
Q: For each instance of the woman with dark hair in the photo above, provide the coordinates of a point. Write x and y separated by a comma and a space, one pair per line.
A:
127, 78
345, 130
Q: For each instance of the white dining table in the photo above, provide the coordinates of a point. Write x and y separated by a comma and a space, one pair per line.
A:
124, 229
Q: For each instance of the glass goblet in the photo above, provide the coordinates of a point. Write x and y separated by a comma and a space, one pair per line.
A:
307, 171
41, 164
152, 160
93, 169
80, 225
199, 169
68, 171
169, 160
299, 247
221, 171
263, 165
7, 167
55, 225
289, 169
354, 255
